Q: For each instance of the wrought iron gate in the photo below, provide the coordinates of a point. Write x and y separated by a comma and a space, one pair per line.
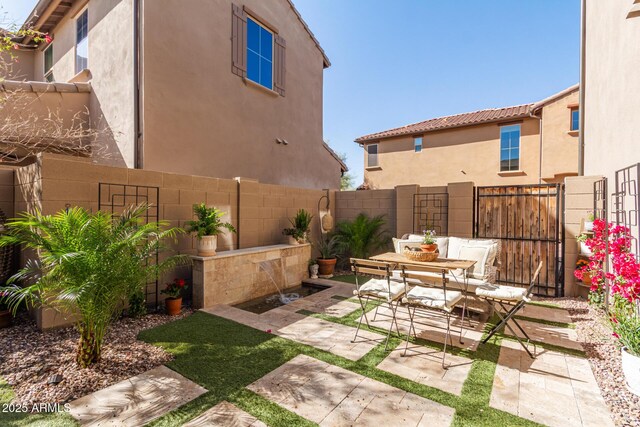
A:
115, 198
527, 219
431, 212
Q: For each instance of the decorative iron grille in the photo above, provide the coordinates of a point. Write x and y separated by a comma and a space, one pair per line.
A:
626, 203
431, 212
115, 198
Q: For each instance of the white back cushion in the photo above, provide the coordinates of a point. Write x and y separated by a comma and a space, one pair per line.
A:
484, 257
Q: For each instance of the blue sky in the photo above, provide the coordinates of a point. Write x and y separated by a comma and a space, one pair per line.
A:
400, 62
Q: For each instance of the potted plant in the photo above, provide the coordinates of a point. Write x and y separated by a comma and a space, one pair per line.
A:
173, 291
429, 241
301, 224
207, 226
626, 327
5, 314
313, 269
328, 248
582, 264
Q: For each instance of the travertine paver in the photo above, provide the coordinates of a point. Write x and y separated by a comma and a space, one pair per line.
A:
225, 414
556, 335
424, 365
137, 400
554, 389
332, 396
432, 326
546, 313
319, 333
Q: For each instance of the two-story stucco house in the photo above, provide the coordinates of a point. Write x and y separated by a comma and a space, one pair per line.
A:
201, 87
524, 144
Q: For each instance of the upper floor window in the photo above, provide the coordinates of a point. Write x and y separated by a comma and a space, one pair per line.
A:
259, 54
372, 155
48, 63
417, 144
575, 119
82, 41
510, 148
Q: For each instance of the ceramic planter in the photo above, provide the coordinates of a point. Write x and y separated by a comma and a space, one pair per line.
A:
173, 306
584, 250
429, 248
313, 271
207, 245
326, 267
588, 226
5, 318
292, 240
631, 369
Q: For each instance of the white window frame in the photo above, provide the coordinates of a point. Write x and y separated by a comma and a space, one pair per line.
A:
416, 145
377, 162
273, 50
510, 171
47, 73
75, 50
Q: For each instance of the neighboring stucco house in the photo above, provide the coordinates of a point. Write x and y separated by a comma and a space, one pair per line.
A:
204, 87
524, 144
611, 82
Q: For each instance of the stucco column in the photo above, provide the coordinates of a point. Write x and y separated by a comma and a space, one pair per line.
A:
460, 215
404, 208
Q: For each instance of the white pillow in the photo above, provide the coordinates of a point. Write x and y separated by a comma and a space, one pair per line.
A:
455, 243
484, 257
400, 244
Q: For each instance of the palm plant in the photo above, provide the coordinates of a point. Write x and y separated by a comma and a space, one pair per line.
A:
329, 247
88, 265
362, 236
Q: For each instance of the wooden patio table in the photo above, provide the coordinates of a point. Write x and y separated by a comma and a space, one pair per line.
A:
445, 265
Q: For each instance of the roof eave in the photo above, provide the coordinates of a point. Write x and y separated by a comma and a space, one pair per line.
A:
462, 125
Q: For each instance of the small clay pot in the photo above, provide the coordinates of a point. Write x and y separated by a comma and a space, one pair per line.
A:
173, 306
429, 248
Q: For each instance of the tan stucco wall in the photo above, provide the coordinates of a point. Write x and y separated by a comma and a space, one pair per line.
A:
612, 87
19, 66
559, 144
445, 154
200, 118
111, 72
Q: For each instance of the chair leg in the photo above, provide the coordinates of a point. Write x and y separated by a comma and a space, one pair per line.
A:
406, 345
363, 315
395, 311
376, 313
513, 319
448, 336
497, 326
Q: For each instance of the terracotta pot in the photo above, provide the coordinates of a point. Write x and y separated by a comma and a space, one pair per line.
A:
173, 306
326, 267
5, 318
429, 248
631, 369
207, 245
586, 279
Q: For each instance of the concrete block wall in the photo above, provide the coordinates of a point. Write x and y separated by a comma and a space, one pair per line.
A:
372, 202
578, 205
7, 192
265, 210
461, 209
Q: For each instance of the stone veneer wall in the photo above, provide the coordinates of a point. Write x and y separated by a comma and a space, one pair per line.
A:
236, 276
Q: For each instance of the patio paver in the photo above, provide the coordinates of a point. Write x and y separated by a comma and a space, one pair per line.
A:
550, 334
554, 389
225, 414
423, 365
137, 400
546, 313
330, 396
318, 333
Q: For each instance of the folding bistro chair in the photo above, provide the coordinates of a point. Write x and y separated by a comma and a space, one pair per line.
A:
429, 294
381, 288
510, 299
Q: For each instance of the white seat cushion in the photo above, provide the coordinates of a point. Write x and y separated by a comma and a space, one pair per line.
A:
432, 298
379, 288
500, 292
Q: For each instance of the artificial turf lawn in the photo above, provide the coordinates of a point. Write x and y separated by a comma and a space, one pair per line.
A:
225, 357
20, 419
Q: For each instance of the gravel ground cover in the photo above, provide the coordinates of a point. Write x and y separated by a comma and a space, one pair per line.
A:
29, 357
604, 354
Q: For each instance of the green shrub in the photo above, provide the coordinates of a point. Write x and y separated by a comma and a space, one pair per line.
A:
363, 236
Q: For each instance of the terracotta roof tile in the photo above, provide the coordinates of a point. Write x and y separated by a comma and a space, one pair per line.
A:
464, 119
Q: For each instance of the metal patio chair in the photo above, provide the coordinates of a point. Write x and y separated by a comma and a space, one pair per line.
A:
382, 287
428, 295
510, 299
